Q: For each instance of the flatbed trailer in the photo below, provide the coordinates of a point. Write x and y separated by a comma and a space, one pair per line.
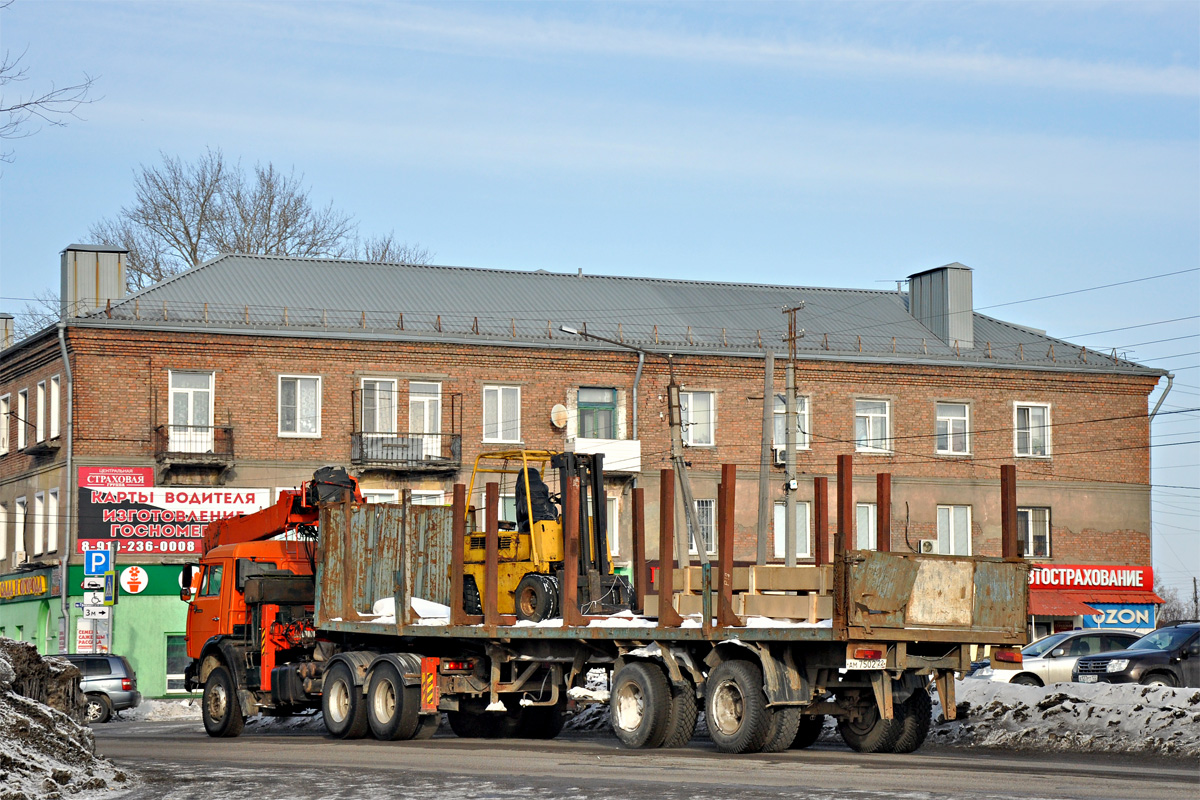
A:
392, 646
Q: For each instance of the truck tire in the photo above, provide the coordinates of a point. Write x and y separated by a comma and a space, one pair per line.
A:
534, 598
220, 706
781, 731
681, 719
871, 733
472, 602
736, 708
342, 704
640, 705
916, 716
808, 731
392, 707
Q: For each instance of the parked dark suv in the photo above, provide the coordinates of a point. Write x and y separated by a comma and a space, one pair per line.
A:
1167, 657
109, 683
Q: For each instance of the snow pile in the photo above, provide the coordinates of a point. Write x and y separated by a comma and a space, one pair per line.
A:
43, 751
163, 710
1073, 716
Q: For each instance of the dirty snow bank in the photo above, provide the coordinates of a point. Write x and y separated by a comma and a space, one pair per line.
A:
1073, 716
44, 753
162, 710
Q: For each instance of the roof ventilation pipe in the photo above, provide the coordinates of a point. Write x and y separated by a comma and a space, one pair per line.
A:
92, 275
940, 299
6, 332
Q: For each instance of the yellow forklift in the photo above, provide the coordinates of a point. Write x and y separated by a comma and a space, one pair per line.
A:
531, 547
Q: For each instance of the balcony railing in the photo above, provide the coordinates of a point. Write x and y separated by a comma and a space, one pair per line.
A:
407, 451
194, 444
376, 442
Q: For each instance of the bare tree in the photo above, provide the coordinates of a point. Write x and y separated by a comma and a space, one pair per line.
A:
24, 114
386, 250
1173, 608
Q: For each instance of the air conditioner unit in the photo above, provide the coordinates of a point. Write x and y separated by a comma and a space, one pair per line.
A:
19, 557
927, 546
780, 456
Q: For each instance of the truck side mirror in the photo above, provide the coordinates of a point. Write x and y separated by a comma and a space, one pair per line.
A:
185, 577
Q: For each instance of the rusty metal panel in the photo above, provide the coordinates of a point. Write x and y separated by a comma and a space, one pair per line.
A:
331, 566
387, 549
943, 593
878, 587
427, 552
1001, 595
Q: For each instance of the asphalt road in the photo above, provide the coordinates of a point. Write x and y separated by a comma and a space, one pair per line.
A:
177, 761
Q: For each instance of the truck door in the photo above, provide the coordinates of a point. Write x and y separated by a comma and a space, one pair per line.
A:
209, 607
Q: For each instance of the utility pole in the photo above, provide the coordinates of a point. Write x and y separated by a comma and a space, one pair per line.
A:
765, 518
790, 426
1195, 600
675, 413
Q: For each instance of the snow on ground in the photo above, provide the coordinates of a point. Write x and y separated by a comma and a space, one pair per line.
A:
162, 710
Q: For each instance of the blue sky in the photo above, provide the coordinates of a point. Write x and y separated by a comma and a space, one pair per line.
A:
1051, 147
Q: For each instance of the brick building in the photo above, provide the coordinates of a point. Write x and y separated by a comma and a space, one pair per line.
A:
208, 392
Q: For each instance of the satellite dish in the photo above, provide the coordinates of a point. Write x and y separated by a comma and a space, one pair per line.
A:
558, 416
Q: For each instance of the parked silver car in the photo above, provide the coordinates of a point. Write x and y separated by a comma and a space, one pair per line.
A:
1051, 658
109, 683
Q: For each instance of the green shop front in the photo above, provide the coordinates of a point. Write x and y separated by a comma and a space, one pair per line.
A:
146, 625
30, 609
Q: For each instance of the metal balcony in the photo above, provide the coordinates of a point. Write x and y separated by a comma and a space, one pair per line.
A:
195, 445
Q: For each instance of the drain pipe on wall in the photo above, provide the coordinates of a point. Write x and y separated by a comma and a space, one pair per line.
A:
1158, 405
64, 571
637, 377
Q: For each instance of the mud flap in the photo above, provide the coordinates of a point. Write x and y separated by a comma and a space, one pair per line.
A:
945, 690
881, 685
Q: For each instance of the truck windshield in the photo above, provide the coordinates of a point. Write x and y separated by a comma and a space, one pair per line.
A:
212, 580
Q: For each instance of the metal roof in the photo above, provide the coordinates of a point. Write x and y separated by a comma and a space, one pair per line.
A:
252, 294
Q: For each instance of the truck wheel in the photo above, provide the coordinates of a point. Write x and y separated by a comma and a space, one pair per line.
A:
534, 598
681, 719
391, 706
736, 708
99, 709
808, 731
342, 705
870, 733
221, 710
640, 705
916, 715
781, 731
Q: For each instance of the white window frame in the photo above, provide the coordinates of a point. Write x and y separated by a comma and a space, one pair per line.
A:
362, 413
866, 535
39, 523
690, 427
803, 529
169, 676
51, 515
297, 434
3, 534
710, 534
947, 548
55, 401
431, 440
887, 426
5, 421
498, 389
1017, 406
612, 510
949, 420
189, 439
438, 497
20, 518
381, 495
22, 418
803, 432
1027, 512
40, 413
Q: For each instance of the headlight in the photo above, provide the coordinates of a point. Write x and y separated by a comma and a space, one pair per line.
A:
982, 672
1118, 665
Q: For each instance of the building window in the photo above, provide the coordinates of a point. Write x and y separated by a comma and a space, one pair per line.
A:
40, 413
1032, 430
954, 530
502, 413
953, 428
802, 529
866, 526
1033, 532
780, 437
422, 497
378, 405
177, 661
871, 426
597, 413
3, 534
55, 394
706, 517
425, 417
20, 514
698, 411
299, 406
5, 422
22, 417
614, 530
191, 412
381, 495
52, 521
39, 523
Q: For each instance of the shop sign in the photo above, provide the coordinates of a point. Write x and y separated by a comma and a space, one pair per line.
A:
120, 505
1121, 615
91, 636
26, 586
140, 580
1092, 576
134, 580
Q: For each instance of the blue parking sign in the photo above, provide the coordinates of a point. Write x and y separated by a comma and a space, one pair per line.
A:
97, 562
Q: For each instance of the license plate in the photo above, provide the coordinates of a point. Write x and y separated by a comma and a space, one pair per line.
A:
1089, 678
866, 663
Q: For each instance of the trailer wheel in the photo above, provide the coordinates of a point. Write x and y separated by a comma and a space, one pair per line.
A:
221, 710
534, 598
681, 720
916, 717
640, 705
392, 707
781, 731
870, 733
736, 708
342, 704
809, 731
